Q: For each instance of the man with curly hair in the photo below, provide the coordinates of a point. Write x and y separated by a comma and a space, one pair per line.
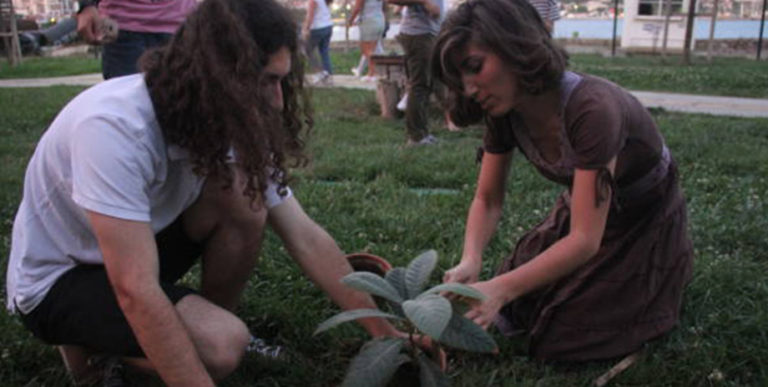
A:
140, 175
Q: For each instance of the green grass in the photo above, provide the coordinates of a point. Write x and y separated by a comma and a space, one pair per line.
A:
737, 77
39, 67
360, 188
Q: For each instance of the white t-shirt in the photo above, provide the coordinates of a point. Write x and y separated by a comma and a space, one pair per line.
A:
104, 152
322, 15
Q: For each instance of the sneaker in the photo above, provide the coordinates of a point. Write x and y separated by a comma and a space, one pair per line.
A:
260, 347
321, 79
369, 78
426, 140
355, 71
114, 373
403, 103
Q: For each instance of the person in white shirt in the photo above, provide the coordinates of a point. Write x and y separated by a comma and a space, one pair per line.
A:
139, 176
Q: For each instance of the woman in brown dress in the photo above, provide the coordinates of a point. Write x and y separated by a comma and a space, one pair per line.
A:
605, 271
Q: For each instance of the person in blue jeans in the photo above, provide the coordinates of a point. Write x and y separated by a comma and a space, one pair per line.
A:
141, 25
316, 32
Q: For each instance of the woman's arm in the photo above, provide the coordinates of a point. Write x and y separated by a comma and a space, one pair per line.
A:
562, 258
308, 18
355, 11
483, 217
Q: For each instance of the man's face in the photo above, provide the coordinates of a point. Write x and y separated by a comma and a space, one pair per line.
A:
277, 68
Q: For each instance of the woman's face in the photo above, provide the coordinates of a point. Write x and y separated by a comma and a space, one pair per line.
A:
488, 80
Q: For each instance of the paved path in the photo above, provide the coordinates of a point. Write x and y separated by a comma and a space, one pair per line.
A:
721, 106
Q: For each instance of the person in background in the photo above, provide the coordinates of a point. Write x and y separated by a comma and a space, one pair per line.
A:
316, 33
141, 25
549, 10
605, 271
418, 29
372, 20
141, 176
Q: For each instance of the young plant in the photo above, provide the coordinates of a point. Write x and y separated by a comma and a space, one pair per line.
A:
425, 313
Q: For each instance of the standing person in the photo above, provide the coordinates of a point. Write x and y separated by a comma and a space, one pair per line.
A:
142, 24
418, 29
140, 175
605, 271
316, 33
549, 10
372, 20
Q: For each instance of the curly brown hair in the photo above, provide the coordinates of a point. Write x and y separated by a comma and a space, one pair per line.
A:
204, 86
514, 31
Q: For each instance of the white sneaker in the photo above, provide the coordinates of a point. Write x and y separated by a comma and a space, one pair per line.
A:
369, 78
427, 140
403, 103
355, 71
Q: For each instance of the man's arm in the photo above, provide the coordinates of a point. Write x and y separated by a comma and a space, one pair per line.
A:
130, 258
322, 261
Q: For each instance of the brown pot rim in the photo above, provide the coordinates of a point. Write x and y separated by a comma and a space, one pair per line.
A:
371, 258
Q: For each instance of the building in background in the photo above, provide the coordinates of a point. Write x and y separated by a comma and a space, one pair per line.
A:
45, 11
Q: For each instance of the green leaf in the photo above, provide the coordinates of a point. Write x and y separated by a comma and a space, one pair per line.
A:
430, 373
350, 315
418, 271
463, 333
396, 278
376, 363
429, 313
371, 283
457, 288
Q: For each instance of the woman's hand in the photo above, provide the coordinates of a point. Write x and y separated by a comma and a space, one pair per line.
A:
484, 312
466, 272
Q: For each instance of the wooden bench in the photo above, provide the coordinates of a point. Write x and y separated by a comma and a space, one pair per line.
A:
393, 78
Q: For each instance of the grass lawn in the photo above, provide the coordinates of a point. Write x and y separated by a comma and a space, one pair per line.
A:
368, 192
737, 77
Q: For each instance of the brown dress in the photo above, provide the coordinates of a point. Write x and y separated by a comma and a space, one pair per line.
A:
631, 291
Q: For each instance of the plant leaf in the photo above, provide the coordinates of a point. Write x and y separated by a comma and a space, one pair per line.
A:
430, 373
429, 313
418, 271
396, 278
371, 283
350, 315
376, 363
457, 288
463, 333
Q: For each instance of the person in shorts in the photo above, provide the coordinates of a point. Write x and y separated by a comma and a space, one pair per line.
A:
140, 175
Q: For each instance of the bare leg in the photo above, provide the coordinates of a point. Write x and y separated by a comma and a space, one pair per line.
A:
76, 361
367, 49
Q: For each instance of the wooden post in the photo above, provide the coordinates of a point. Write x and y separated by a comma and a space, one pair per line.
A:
665, 36
615, 21
9, 32
760, 37
712, 31
689, 32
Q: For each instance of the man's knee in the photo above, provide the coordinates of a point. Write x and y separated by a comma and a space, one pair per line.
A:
222, 207
220, 337
225, 356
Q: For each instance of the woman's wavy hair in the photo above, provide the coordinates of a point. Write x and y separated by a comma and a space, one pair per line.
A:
205, 88
514, 31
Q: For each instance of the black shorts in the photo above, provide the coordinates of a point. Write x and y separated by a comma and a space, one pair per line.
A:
81, 308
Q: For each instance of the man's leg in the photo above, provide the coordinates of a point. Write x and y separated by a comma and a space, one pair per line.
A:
417, 49
81, 311
121, 57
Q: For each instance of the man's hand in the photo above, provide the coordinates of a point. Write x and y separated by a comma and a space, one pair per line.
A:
88, 25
